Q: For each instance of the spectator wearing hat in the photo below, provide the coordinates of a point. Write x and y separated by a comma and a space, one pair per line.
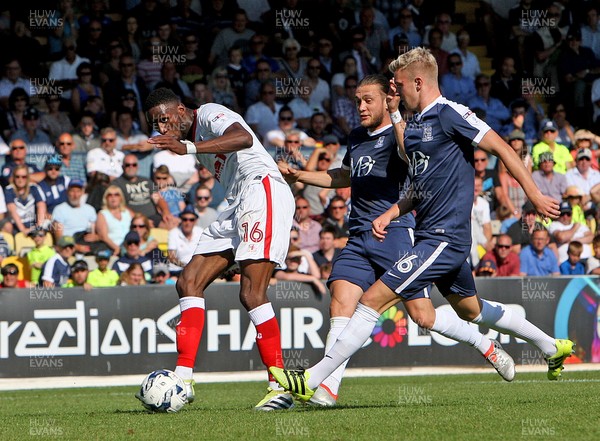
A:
75, 219
79, 275
574, 196
584, 139
537, 259
161, 275
54, 186
547, 180
38, 255
133, 255
565, 230
583, 176
520, 232
182, 241
330, 144
502, 259
562, 157
56, 270
10, 277
72, 164
106, 158
103, 276
496, 113
573, 265
516, 139
36, 138
486, 268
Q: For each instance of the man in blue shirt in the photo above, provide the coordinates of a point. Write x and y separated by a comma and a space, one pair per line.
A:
537, 259
438, 144
56, 270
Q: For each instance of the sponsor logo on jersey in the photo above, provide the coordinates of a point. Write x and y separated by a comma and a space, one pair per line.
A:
220, 115
362, 166
466, 115
219, 163
418, 163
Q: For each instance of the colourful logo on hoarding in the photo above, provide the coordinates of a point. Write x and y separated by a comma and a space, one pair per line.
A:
390, 328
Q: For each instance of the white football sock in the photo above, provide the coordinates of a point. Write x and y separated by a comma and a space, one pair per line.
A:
186, 373
452, 326
337, 325
497, 316
356, 333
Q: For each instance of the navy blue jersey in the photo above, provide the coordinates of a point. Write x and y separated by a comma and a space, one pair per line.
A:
377, 176
56, 193
439, 143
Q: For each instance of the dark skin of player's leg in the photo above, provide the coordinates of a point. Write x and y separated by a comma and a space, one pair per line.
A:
201, 272
255, 277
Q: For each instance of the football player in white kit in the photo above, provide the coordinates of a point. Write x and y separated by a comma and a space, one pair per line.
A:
253, 231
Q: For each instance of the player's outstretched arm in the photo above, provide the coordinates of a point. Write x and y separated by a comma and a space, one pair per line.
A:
334, 178
494, 144
393, 104
233, 139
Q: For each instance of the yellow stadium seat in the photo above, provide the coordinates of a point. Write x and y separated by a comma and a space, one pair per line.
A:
24, 244
161, 235
10, 240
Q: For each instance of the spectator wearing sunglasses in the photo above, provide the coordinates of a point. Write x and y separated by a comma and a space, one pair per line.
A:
10, 277
39, 255
183, 241
164, 186
455, 86
54, 186
286, 122
138, 195
16, 157
201, 206
106, 158
504, 261
132, 256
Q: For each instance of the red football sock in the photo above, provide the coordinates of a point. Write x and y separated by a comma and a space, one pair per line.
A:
189, 333
268, 342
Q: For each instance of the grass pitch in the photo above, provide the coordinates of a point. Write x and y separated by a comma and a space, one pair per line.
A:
452, 407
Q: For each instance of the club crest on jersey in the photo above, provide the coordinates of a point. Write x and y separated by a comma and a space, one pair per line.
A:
379, 142
418, 163
220, 115
405, 264
427, 133
362, 166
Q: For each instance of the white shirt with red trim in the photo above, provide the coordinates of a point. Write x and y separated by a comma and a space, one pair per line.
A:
232, 170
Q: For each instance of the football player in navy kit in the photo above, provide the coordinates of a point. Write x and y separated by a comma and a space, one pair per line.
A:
377, 176
438, 146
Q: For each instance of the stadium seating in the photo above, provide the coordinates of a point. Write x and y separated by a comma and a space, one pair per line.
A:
162, 237
24, 244
10, 240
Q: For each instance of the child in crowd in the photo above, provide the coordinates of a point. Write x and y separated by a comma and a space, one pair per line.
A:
573, 266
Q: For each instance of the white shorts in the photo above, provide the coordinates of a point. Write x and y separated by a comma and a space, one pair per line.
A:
257, 226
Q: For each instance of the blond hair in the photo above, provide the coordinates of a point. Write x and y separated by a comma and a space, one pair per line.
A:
122, 204
422, 58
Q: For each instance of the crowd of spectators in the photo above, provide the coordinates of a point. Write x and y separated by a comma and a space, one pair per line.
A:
86, 201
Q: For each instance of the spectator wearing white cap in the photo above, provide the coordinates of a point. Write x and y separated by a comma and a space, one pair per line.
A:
564, 230
584, 139
583, 176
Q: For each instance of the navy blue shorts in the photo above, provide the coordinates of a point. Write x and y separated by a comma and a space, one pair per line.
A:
431, 261
364, 259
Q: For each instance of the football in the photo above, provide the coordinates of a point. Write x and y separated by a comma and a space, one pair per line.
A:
162, 391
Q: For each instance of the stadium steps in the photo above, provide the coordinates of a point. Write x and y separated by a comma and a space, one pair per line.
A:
467, 8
